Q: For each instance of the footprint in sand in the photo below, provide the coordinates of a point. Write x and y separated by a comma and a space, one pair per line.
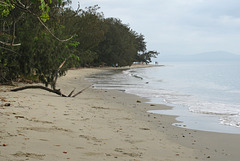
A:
43, 129
120, 150
29, 155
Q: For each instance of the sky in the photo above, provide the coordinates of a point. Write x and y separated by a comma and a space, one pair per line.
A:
174, 27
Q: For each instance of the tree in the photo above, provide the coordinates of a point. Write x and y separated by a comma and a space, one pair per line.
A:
35, 40
90, 28
146, 56
119, 46
42, 39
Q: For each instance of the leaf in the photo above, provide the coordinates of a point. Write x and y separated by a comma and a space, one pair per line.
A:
44, 16
60, 1
48, 8
75, 57
43, 5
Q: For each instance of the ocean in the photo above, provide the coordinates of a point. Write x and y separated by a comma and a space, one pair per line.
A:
204, 95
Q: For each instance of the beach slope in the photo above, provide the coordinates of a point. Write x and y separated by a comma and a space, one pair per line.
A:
98, 125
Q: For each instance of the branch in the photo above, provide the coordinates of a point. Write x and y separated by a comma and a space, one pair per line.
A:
9, 44
8, 50
4, 3
14, 31
51, 32
22, 6
59, 68
79, 6
39, 87
49, 90
19, 6
70, 94
81, 91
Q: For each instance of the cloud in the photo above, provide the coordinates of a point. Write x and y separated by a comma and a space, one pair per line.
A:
179, 26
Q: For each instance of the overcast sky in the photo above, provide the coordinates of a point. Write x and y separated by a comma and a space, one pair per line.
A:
178, 26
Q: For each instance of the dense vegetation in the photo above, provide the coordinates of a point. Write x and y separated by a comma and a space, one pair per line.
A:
37, 36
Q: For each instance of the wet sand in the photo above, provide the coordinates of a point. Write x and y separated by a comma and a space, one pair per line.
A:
99, 125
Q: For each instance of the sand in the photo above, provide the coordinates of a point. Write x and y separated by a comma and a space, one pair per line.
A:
99, 125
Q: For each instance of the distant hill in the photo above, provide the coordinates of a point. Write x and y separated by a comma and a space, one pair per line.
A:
207, 56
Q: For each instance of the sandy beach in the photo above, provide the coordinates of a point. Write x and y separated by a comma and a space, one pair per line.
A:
99, 125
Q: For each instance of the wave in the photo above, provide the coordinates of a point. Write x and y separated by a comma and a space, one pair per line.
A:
229, 113
198, 95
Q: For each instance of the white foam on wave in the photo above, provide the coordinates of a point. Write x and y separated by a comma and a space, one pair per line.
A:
229, 113
215, 108
127, 72
231, 120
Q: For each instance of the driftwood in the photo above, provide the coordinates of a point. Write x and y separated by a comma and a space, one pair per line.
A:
70, 94
39, 87
81, 91
58, 92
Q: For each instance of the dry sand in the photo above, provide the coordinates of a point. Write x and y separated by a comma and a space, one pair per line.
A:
99, 125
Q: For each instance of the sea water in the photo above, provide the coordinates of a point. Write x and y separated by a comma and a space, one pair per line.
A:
205, 95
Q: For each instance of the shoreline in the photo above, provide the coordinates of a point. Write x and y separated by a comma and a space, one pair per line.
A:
100, 125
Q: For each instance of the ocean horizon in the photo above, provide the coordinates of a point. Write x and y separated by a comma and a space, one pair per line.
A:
204, 95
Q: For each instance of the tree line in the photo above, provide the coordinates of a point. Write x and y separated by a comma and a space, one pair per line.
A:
40, 40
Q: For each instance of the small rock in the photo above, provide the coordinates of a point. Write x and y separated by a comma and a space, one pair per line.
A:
17, 117
144, 128
7, 104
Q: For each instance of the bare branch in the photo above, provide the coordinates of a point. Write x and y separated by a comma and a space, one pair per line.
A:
39, 87
79, 6
51, 32
59, 68
81, 91
14, 31
17, 5
8, 49
9, 44
70, 94
25, 7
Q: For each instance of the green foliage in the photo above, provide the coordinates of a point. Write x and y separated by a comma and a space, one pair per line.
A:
146, 56
5, 8
8, 66
121, 44
96, 41
44, 6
